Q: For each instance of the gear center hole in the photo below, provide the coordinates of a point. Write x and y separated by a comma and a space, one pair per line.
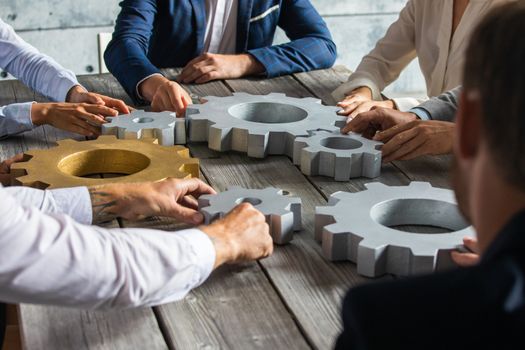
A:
143, 120
252, 201
115, 162
268, 112
341, 143
419, 216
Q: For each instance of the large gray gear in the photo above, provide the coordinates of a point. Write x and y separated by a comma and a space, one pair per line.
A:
336, 155
164, 126
356, 227
283, 213
258, 125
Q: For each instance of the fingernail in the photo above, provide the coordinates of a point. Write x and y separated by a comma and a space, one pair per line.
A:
197, 218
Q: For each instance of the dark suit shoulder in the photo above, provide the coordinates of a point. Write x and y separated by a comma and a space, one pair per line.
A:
429, 312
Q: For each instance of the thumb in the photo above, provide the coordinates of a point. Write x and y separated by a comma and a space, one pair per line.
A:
187, 215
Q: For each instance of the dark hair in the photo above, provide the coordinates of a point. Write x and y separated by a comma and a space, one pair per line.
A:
495, 68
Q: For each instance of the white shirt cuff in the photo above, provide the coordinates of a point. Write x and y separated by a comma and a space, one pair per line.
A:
17, 118
75, 202
203, 250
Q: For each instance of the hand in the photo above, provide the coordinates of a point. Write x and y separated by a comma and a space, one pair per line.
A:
368, 123
360, 101
467, 259
208, 67
165, 95
81, 118
174, 198
416, 138
78, 94
243, 235
5, 169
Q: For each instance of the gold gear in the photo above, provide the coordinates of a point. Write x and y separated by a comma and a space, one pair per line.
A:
141, 160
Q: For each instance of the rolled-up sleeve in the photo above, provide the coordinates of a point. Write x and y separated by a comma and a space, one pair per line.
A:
49, 258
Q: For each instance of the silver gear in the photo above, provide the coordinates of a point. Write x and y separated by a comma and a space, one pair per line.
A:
336, 155
163, 126
356, 227
283, 213
258, 125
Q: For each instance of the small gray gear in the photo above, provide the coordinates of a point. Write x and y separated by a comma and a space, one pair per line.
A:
258, 125
337, 155
164, 126
283, 213
357, 227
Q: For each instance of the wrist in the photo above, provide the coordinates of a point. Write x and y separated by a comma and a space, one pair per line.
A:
74, 93
251, 66
39, 113
148, 88
224, 249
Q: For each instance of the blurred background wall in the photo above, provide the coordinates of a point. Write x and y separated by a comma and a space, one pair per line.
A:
67, 30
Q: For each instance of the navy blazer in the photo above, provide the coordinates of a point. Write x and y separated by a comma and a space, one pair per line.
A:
153, 34
481, 307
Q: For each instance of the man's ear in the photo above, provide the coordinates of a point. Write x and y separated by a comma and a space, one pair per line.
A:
468, 126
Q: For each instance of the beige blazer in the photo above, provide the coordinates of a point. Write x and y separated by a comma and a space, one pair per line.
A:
423, 30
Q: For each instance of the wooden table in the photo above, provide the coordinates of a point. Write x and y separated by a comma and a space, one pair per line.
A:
291, 300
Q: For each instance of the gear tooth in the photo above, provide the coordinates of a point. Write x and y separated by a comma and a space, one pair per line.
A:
336, 228
376, 186
326, 210
420, 185
276, 95
205, 201
105, 139
65, 142
312, 100
241, 94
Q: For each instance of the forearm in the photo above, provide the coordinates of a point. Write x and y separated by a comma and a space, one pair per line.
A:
92, 267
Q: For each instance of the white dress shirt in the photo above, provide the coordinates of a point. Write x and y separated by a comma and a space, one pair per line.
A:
221, 26
49, 256
34, 69
423, 30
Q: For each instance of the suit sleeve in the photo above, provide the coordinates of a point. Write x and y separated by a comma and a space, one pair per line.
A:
442, 107
311, 46
126, 55
387, 60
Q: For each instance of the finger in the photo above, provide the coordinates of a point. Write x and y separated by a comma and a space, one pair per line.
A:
348, 109
176, 100
361, 108
388, 134
357, 124
194, 187
5, 166
189, 68
89, 97
100, 109
187, 215
471, 244
399, 144
5, 179
78, 129
465, 259
119, 105
348, 100
207, 77
199, 72
189, 202
162, 102
93, 119
90, 129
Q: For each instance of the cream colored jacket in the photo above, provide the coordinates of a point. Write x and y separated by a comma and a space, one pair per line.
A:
423, 30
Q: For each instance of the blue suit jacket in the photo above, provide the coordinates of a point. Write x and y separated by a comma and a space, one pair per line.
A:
153, 34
